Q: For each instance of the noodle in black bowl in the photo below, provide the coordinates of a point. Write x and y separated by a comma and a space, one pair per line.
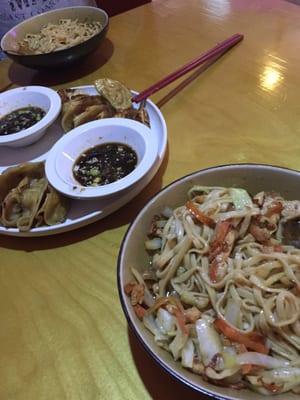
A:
10, 42
220, 298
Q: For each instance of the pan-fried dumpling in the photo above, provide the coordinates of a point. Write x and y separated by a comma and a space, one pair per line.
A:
70, 94
115, 93
113, 100
76, 107
31, 199
140, 115
54, 209
11, 206
64, 94
94, 112
12, 176
27, 199
84, 98
21, 204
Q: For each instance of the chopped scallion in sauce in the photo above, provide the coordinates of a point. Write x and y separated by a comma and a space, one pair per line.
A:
104, 164
20, 119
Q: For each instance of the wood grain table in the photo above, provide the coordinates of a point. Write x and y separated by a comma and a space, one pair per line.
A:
62, 331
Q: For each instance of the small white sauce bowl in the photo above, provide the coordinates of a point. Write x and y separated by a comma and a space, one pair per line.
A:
62, 157
35, 96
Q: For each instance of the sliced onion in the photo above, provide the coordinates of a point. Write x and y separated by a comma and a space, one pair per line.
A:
209, 340
153, 244
211, 373
283, 374
167, 212
229, 357
178, 343
261, 360
150, 324
179, 229
232, 313
166, 321
187, 354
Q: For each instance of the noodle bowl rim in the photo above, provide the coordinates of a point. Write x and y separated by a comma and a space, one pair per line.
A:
153, 349
41, 16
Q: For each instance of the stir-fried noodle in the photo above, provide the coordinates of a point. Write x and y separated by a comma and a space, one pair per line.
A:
53, 37
222, 291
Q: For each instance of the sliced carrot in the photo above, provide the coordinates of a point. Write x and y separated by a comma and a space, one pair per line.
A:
262, 235
213, 271
129, 287
218, 244
140, 311
253, 341
275, 208
199, 215
222, 228
175, 309
247, 368
272, 387
162, 301
180, 317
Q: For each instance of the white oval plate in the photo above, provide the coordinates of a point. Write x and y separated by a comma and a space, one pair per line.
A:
82, 213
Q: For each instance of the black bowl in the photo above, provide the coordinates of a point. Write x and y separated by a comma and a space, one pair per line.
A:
61, 58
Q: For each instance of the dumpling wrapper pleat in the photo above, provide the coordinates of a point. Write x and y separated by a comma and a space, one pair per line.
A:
91, 114
31, 199
117, 94
21, 204
54, 209
12, 176
28, 200
11, 207
75, 107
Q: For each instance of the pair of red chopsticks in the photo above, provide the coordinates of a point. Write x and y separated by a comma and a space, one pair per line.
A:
219, 49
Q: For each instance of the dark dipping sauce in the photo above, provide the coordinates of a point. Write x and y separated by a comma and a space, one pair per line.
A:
20, 119
104, 164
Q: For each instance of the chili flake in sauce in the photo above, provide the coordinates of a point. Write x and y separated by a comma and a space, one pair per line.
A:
104, 164
20, 119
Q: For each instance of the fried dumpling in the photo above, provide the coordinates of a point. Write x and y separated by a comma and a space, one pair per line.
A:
115, 93
54, 209
113, 100
140, 115
12, 176
11, 207
94, 112
21, 204
76, 107
31, 199
65, 94
27, 199
70, 94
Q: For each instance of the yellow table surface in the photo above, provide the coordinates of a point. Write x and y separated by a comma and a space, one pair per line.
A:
62, 331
